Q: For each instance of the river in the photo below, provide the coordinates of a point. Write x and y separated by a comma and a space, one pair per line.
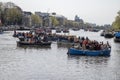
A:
32, 63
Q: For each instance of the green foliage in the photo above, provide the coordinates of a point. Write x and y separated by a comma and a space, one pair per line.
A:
36, 20
1, 14
54, 21
71, 23
12, 16
116, 23
0, 10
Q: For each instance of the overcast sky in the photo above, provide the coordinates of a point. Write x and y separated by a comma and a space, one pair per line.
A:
94, 11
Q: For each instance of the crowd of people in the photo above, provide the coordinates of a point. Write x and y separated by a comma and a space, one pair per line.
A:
82, 43
31, 37
87, 44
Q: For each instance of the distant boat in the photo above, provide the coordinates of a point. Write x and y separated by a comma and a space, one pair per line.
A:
64, 44
75, 29
24, 28
65, 31
109, 35
102, 33
1, 31
94, 30
73, 51
58, 31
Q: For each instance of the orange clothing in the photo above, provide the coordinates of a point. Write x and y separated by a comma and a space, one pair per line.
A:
85, 42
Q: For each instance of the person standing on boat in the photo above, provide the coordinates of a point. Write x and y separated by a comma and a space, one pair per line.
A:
84, 43
14, 32
108, 45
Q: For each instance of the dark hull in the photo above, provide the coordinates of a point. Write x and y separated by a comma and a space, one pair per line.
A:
34, 44
66, 31
108, 35
116, 39
58, 31
102, 34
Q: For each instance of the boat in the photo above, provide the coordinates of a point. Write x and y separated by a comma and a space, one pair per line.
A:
109, 35
117, 37
66, 43
58, 31
75, 29
33, 43
74, 51
23, 28
1, 31
65, 31
102, 33
95, 30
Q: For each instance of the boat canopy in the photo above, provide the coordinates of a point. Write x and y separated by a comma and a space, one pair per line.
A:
117, 34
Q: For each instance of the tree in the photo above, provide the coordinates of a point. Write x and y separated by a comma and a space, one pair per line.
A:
116, 23
0, 10
54, 21
12, 16
1, 13
36, 20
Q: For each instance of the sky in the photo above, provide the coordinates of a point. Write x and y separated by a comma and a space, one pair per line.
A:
99, 12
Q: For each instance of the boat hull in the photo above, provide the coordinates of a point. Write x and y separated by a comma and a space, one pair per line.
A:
73, 51
34, 44
108, 35
116, 39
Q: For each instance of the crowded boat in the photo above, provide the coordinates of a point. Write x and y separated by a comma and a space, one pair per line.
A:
78, 45
32, 38
90, 48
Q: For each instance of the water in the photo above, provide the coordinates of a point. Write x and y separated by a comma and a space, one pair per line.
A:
32, 63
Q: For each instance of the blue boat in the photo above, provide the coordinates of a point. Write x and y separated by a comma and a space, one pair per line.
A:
117, 37
73, 51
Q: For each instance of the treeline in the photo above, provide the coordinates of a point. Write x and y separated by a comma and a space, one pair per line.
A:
11, 14
116, 23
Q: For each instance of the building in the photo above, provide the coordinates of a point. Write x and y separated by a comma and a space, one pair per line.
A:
61, 19
26, 21
45, 18
77, 19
